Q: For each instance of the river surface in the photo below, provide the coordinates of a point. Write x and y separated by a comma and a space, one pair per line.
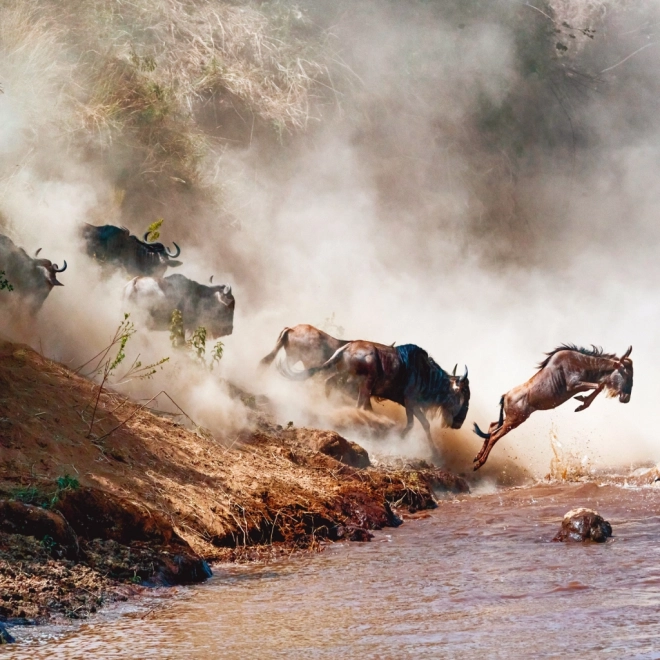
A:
478, 577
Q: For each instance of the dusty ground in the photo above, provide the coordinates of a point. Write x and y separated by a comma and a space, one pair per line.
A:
157, 491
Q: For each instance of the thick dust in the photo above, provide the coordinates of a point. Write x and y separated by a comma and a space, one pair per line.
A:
458, 200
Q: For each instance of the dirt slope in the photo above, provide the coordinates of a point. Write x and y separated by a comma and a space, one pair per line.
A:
266, 490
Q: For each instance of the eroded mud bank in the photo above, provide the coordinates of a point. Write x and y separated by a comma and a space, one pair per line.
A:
86, 519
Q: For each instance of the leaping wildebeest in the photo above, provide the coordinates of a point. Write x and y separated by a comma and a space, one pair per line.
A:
566, 371
404, 374
31, 278
118, 247
199, 304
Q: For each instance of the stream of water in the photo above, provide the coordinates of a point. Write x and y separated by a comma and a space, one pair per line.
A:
478, 577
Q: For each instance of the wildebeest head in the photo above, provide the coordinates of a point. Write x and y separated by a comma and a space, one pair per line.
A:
455, 410
222, 321
49, 269
166, 257
620, 381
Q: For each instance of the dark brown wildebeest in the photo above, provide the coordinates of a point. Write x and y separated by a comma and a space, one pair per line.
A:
31, 278
406, 375
567, 371
305, 343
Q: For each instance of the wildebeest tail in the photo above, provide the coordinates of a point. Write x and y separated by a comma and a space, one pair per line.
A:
480, 433
289, 373
281, 341
486, 436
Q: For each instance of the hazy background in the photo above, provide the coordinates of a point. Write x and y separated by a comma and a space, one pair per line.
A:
476, 178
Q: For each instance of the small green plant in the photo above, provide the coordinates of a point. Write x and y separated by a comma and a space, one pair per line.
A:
62, 484
4, 283
48, 543
216, 354
153, 230
135, 579
67, 483
177, 332
197, 344
30, 495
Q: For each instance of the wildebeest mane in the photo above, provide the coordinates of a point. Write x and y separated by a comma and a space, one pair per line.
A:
426, 381
594, 351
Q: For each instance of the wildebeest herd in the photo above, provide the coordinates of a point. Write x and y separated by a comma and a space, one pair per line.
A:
410, 377
115, 248
405, 374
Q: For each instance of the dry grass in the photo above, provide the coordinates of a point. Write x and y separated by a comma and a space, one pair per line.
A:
134, 75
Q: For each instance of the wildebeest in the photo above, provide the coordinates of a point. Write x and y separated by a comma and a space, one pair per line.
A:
117, 246
305, 343
404, 374
32, 278
199, 304
566, 371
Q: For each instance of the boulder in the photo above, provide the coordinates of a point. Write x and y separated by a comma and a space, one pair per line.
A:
334, 445
182, 568
584, 525
49, 527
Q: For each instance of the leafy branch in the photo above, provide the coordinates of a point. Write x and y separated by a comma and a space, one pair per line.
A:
197, 342
153, 230
107, 364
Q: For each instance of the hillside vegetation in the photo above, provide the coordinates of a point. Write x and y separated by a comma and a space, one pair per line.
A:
152, 93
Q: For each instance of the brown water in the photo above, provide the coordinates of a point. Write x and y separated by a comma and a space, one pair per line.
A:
478, 577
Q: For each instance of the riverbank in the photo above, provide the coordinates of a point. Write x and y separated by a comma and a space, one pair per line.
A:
89, 518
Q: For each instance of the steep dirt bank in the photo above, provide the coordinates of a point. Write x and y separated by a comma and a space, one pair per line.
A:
86, 519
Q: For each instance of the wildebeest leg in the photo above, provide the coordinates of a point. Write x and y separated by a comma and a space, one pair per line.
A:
423, 421
409, 421
588, 400
364, 394
510, 423
332, 383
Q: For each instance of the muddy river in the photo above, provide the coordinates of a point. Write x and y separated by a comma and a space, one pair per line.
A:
477, 577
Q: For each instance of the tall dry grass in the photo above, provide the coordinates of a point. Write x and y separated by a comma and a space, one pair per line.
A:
133, 77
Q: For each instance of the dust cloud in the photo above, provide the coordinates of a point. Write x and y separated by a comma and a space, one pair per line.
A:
482, 185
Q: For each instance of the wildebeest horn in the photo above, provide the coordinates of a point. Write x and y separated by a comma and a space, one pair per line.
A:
626, 354
36, 254
465, 375
59, 270
178, 251
219, 297
453, 373
211, 280
146, 236
227, 289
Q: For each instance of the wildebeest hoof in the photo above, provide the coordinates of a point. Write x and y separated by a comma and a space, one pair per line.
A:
584, 525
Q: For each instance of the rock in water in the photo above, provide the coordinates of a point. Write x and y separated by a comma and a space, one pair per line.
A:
584, 525
5, 637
